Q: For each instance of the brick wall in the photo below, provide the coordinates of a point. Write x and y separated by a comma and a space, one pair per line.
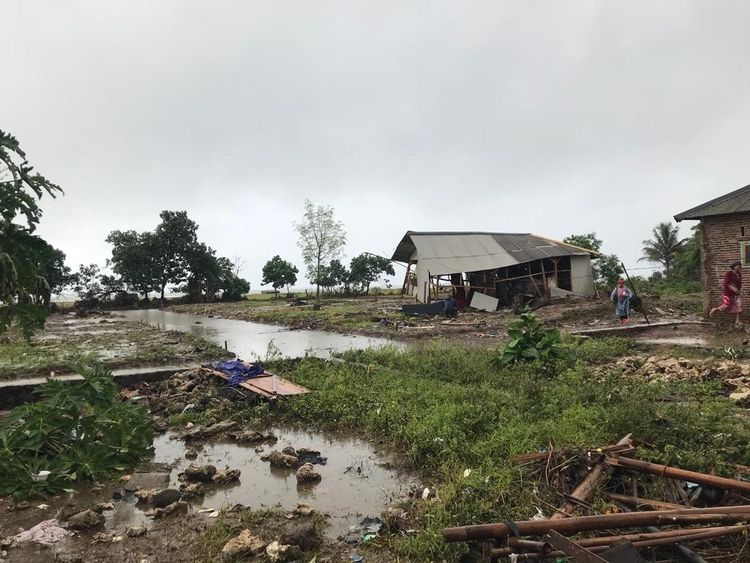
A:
721, 246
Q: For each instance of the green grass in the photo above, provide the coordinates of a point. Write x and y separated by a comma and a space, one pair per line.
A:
447, 409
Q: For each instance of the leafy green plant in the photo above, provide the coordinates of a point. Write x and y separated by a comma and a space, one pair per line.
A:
76, 432
529, 340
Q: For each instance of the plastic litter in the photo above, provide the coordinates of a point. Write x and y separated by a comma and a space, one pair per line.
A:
47, 532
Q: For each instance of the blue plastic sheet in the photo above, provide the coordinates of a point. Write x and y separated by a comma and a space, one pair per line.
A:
238, 371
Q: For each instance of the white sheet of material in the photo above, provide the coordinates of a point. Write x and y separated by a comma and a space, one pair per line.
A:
484, 302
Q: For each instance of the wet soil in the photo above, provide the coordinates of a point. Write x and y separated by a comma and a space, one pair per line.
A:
109, 340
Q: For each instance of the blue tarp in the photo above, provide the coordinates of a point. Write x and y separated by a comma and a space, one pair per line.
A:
238, 371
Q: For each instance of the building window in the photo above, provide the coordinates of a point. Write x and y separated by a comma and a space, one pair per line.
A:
745, 252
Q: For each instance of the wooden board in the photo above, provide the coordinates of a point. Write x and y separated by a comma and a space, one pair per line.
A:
268, 385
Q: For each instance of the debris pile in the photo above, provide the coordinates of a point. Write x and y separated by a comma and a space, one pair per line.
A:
705, 508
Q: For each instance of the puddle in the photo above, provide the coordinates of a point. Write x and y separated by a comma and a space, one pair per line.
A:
251, 340
356, 482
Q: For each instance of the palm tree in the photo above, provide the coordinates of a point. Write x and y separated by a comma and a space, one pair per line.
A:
664, 247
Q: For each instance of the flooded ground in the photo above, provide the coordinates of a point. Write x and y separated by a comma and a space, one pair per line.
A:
356, 480
251, 340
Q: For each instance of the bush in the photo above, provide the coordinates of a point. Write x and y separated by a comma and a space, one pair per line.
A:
76, 431
529, 340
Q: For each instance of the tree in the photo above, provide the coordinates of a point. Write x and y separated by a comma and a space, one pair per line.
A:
279, 273
86, 285
24, 292
368, 268
606, 268
175, 238
687, 265
321, 239
664, 247
133, 259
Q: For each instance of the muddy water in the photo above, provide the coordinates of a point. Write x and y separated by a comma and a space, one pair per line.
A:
251, 340
356, 480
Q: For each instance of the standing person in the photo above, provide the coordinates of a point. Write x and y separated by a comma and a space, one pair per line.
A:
730, 300
621, 296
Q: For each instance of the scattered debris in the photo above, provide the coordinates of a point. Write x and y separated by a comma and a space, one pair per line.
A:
165, 497
47, 532
226, 476
198, 473
179, 507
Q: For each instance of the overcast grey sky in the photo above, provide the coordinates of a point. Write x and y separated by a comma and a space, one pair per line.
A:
529, 116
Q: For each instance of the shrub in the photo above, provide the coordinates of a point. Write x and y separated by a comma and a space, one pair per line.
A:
529, 340
76, 431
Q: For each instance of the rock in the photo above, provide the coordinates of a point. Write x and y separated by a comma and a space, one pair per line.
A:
85, 520
226, 476
305, 536
289, 450
307, 474
165, 497
192, 491
244, 545
136, 532
145, 496
282, 553
213, 430
305, 455
199, 473
179, 507
190, 453
280, 459
251, 437
102, 506
155, 480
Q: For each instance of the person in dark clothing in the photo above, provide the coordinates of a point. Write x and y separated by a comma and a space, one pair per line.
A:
731, 302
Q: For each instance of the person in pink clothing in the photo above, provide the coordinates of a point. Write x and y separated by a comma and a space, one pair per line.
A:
731, 302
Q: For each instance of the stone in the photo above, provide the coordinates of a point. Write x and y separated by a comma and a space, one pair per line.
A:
102, 506
307, 474
136, 532
192, 491
276, 551
199, 473
145, 496
251, 437
305, 455
289, 450
179, 507
244, 545
280, 459
154, 480
85, 520
226, 476
165, 497
305, 536
190, 453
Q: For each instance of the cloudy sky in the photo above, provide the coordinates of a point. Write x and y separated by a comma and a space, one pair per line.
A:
528, 116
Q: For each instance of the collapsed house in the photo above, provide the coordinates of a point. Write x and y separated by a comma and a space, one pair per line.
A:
510, 269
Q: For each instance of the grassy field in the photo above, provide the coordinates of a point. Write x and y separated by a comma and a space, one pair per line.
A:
448, 409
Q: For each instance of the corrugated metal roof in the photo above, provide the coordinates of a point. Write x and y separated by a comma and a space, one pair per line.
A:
737, 201
451, 252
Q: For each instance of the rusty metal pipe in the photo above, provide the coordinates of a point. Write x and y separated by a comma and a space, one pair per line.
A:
721, 514
683, 474
529, 545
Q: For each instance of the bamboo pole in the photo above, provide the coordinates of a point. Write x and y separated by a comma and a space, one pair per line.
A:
639, 502
683, 474
721, 514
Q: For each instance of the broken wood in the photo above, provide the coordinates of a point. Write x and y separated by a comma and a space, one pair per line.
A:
568, 452
586, 487
639, 502
682, 474
720, 514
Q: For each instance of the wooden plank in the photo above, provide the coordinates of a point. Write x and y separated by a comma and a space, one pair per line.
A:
268, 385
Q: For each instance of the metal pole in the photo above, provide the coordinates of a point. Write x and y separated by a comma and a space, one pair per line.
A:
643, 305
